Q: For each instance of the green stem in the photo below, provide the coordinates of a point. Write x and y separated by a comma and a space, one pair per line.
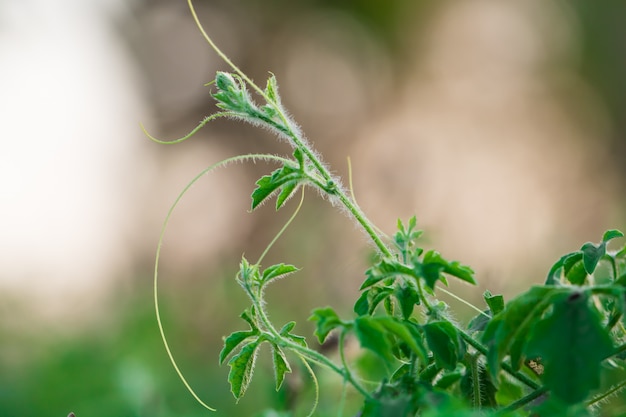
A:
305, 351
607, 394
505, 366
476, 400
522, 401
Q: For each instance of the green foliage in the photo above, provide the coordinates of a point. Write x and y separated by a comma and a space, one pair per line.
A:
548, 348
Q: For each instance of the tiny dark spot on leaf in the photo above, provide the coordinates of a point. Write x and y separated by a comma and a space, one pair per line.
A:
574, 297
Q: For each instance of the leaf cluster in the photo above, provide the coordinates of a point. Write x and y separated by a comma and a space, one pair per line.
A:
553, 350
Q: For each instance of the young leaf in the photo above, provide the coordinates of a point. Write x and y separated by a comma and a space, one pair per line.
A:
592, 255
572, 342
281, 366
443, 340
495, 302
327, 320
385, 268
242, 368
285, 179
271, 90
555, 273
286, 332
276, 271
611, 234
435, 264
362, 305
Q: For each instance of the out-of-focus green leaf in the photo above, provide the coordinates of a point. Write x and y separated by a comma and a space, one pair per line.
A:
326, 320
443, 340
572, 342
373, 336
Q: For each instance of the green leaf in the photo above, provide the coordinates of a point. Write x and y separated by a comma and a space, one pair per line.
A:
362, 305
436, 264
250, 316
443, 340
281, 366
479, 322
242, 368
557, 269
271, 89
611, 234
509, 327
288, 327
277, 271
233, 340
285, 179
373, 336
406, 332
407, 295
495, 302
592, 255
385, 268
571, 342
326, 321
574, 269
286, 332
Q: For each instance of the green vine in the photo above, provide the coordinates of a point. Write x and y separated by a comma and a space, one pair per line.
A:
550, 348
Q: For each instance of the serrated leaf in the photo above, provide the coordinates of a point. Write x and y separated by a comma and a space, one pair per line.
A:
443, 340
592, 255
326, 320
276, 271
434, 264
249, 316
572, 342
611, 234
232, 341
271, 89
281, 366
242, 368
267, 185
286, 192
386, 268
373, 336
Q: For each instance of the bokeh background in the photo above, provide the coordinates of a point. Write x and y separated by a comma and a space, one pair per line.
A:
501, 125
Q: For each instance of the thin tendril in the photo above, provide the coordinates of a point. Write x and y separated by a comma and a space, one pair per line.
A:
282, 230
315, 383
467, 303
188, 135
239, 158
222, 54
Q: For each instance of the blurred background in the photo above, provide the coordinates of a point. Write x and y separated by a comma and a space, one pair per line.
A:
501, 125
